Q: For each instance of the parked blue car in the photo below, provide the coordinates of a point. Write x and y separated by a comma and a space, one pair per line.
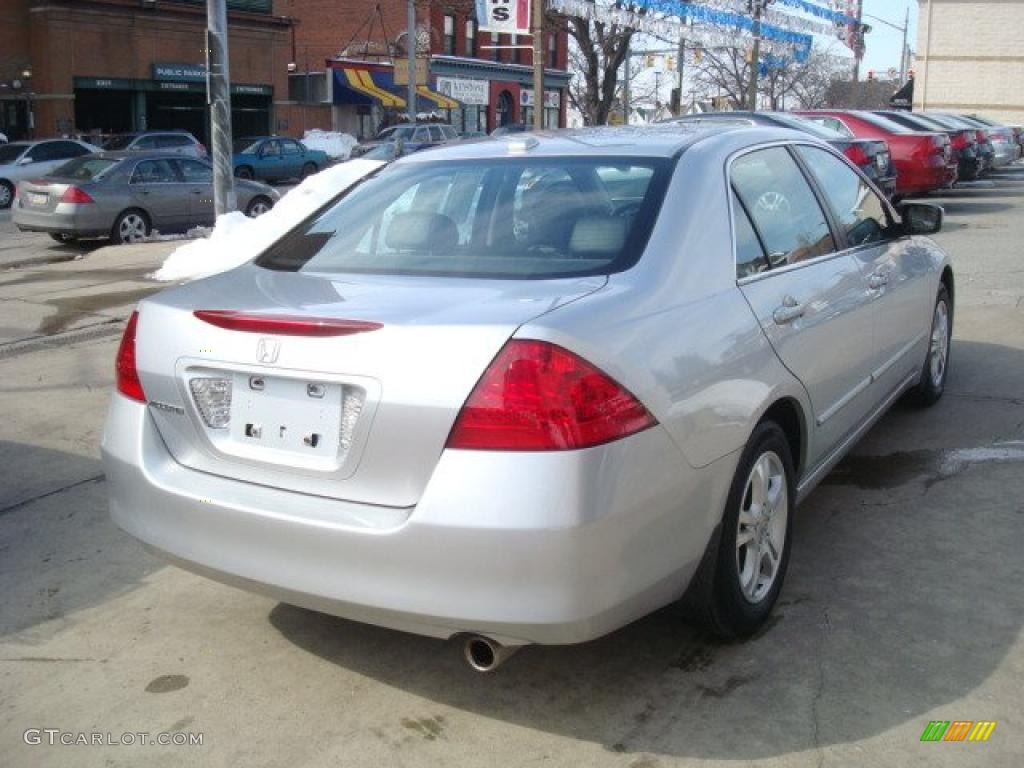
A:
270, 158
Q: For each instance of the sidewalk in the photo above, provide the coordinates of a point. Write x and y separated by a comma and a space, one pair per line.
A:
40, 302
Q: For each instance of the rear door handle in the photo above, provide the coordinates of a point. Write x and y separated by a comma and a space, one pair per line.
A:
790, 310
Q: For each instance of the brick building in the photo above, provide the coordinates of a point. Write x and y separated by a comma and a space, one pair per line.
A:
969, 58
345, 62
107, 66
118, 65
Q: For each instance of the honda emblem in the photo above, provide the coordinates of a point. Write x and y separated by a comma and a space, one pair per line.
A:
267, 350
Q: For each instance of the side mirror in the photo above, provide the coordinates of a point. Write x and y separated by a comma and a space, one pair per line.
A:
921, 218
26, 161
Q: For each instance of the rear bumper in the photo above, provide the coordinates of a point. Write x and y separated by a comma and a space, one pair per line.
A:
920, 179
77, 220
1005, 154
524, 548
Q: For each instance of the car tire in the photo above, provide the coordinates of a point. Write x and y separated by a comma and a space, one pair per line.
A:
258, 206
935, 369
308, 170
6, 194
741, 574
245, 172
131, 226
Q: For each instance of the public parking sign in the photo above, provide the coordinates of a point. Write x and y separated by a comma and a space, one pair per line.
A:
511, 17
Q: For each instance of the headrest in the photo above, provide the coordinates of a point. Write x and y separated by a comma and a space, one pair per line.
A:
598, 236
421, 231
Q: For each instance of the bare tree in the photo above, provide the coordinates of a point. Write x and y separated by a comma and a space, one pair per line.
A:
597, 52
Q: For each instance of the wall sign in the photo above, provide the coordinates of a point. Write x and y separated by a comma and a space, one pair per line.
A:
467, 91
552, 99
187, 73
511, 17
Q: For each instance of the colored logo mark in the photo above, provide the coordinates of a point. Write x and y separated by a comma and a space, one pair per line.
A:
958, 730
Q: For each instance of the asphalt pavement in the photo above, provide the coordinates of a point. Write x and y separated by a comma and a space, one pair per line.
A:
903, 602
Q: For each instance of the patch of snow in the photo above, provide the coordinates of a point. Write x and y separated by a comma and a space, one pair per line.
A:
237, 239
338, 146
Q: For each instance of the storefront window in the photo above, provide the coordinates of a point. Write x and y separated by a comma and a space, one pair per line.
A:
552, 51
551, 118
449, 35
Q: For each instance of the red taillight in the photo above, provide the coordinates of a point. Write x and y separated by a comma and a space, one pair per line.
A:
76, 195
284, 325
962, 140
536, 396
981, 136
127, 375
857, 155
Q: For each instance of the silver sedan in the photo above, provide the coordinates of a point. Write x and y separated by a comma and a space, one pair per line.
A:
125, 196
529, 390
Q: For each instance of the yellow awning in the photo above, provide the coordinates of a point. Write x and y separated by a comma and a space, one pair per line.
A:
443, 102
360, 80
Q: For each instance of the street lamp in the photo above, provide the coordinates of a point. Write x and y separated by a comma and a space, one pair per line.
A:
26, 76
904, 59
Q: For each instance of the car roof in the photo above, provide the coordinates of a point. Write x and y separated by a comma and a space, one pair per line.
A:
659, 140
121, 154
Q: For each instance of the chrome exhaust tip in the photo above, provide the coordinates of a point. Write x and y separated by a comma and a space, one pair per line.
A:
485, 655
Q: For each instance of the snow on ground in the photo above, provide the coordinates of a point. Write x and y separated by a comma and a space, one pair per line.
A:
338, 146
237, 239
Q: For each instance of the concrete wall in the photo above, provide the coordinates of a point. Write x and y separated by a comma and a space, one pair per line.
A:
970, 57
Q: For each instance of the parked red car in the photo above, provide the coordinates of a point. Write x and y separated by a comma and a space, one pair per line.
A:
924, 161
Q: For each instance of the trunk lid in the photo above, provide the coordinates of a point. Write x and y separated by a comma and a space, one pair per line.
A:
362, 417
42, 195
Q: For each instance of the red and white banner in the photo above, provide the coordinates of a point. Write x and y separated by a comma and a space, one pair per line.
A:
510, 17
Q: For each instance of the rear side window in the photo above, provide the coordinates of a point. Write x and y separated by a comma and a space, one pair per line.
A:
860, 212
194, 172
145, 142
154, 172
750, 256
291, 148
172, 141
511, 218
785, 212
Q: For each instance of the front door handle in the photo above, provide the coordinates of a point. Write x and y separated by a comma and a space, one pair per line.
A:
790, 310
878, 280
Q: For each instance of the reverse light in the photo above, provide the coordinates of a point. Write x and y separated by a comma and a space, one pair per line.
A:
536, 396
76, 195
126, 373
213, 398
284, 325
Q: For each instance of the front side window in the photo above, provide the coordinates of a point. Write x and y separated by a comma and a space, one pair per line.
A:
860, 212
784, 210
510, 218
271, 149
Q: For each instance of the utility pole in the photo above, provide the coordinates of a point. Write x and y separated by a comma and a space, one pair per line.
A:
903, 51
681, 64
218, 96
410, 94
626, 75
858, 41
537, 30
756, 8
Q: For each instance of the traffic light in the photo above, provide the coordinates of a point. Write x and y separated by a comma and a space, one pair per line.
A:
670, 64
698, 55
649, 60
871, 75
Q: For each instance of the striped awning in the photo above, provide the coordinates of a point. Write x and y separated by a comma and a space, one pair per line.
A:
358, 86
442, 101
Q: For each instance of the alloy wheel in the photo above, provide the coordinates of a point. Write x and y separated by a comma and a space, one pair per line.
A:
939, 350
761, 530
132, 228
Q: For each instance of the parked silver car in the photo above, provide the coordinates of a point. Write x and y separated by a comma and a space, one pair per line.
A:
170, 142
30, 159
124, 196
528, 390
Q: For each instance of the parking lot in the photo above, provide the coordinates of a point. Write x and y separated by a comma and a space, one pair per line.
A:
903, 602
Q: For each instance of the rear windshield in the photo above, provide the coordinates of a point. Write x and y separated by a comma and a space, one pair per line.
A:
883, 122
519, 218
84, 168
397, 132
119, 142
808, 126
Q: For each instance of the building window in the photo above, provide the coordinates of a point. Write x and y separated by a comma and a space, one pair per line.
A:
495, 42
516, 52
307, 87
449, 35
553, 51
471, 37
